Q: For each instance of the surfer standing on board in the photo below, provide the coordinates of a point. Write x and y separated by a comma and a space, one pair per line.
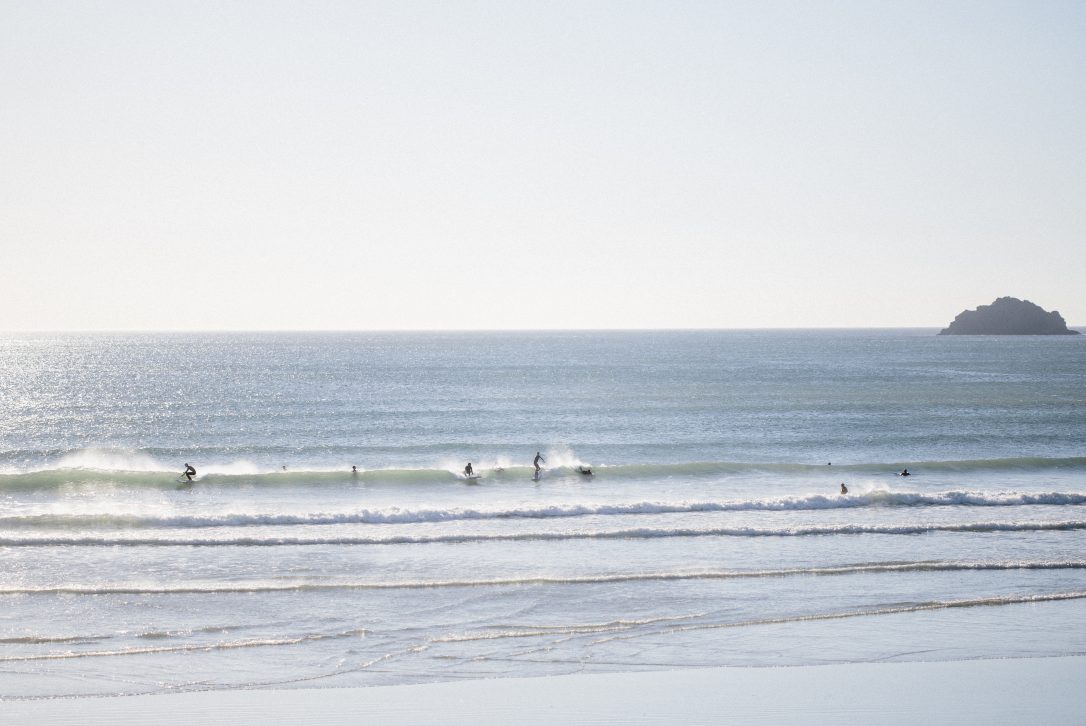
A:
536, 460
190, 471
468, 471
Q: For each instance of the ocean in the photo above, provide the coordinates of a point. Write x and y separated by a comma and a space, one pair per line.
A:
712, 531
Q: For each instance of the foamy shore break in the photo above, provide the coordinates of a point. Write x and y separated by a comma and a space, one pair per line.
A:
1011, 691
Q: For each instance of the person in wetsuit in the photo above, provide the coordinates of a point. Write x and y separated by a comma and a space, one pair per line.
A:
190, 471
468, 471
535, 462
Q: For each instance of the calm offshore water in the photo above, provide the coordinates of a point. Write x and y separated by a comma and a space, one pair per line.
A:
713, 531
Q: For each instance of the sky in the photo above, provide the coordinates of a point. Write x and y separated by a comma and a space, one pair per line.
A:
520, 165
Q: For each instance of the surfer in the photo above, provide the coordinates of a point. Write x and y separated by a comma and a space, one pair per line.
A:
354, 469
535, 462
585, 470
468, 471
844, 489
190, 471
904, 472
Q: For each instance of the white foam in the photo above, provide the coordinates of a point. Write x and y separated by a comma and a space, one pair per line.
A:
639, 533
110, 460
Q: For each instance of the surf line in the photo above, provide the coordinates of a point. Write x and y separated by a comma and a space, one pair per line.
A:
642, 533
207, 647
602, 579
918, 607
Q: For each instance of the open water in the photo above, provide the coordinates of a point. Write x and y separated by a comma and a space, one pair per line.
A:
712, 532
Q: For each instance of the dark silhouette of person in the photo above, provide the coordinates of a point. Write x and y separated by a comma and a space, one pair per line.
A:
354, 469
586, 470
844, 489
190, 471
468, 471
905, 472
536, 460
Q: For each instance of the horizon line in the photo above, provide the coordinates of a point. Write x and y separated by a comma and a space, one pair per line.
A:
470, 330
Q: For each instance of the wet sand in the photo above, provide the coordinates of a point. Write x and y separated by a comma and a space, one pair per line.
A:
1010, 691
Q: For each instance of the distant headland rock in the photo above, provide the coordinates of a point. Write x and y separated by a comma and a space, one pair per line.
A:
1008, 316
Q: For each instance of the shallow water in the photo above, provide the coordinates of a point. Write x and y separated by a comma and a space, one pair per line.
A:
711, 533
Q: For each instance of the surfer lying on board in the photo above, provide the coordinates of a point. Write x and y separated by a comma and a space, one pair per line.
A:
468, 471
190, 471
586, 470
536, 460
904, 472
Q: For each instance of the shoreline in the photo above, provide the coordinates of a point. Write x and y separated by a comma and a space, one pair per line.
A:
1042, 690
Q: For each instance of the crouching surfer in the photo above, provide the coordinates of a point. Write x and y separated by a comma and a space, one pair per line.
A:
468, 471
190, 471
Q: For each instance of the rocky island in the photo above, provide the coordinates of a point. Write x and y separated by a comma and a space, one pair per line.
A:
1008, 316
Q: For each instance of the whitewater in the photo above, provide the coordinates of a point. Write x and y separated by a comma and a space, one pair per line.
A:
331, 539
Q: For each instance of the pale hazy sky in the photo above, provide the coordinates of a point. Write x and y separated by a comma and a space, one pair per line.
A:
402, 165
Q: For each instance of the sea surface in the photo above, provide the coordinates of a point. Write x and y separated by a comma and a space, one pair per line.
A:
712, 530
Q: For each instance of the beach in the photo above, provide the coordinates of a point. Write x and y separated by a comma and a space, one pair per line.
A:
1008, 691
533, 362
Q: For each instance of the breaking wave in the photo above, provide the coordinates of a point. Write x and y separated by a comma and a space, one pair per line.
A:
877, 498
142, 470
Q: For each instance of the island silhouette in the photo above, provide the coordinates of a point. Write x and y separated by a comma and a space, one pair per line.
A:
1008, 316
